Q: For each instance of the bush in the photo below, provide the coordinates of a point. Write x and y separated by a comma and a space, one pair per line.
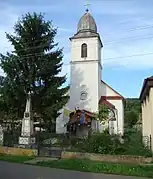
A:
104, 144
134, 145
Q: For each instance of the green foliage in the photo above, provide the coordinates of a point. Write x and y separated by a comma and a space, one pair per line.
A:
99, 167
34, 66
103, 113
103, 143
131, 118
132, 112
15, 159
133, 144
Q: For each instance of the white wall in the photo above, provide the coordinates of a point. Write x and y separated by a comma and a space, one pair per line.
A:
84, 74
93, 46
119, 105
147, 116
85, 71
120, 114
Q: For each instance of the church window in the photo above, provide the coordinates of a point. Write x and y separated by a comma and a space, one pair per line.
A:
84, 50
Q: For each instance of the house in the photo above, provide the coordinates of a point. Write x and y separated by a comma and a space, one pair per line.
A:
146, 97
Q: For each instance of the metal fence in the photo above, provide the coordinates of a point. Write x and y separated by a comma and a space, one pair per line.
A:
51, 144
11, 138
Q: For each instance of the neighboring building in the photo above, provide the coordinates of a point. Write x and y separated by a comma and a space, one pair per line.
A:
146, 98
87, 89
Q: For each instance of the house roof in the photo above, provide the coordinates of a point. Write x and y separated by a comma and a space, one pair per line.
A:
118, 95
105, 102
147, 84
74, 116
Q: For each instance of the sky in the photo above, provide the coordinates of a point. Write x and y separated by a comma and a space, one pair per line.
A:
125, 27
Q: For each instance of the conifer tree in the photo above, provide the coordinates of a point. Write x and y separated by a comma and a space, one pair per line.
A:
34, 65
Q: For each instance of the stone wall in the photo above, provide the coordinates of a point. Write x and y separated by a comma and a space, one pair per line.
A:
18, 151
107, 158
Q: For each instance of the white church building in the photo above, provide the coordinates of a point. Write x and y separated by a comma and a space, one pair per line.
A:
87, 89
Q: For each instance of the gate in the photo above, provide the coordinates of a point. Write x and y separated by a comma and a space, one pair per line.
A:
49, 144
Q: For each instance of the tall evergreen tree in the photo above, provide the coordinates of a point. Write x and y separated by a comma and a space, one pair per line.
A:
34, 66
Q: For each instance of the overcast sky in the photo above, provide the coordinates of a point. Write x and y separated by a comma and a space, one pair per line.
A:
125, 27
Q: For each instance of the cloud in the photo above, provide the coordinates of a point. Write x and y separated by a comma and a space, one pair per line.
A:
115, 7
113, 18
7, 20
133, 56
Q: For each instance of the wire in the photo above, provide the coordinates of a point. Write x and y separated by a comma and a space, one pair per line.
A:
129, 56
111, 58
131, 21
124, 30
105, 44
131, 29
129, 38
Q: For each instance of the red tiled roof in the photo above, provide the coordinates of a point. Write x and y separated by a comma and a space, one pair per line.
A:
88, 113
105, 102
112, 97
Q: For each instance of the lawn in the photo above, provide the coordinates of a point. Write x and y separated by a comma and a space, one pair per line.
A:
99, 167
87, 166
15, 159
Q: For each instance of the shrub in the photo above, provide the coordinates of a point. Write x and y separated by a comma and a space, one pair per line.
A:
134, 145
103, 144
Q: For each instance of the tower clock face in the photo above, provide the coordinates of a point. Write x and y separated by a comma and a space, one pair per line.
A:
83, 95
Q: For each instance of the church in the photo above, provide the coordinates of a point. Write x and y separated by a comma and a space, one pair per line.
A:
87, 89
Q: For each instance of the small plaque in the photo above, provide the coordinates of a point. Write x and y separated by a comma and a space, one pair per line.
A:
24, 140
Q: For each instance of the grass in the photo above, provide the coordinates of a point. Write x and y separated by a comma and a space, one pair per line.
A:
99, 167
14, 159
87, 166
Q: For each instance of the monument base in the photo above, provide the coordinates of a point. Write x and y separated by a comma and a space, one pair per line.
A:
27, 142
1, 139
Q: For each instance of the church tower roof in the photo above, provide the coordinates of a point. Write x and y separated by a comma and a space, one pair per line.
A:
87, 23
86, 28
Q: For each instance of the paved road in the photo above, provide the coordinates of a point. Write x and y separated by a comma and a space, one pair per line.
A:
18, 171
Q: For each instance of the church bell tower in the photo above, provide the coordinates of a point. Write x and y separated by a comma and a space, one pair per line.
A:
85, 65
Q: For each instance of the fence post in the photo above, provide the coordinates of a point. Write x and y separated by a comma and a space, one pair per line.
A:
150, 139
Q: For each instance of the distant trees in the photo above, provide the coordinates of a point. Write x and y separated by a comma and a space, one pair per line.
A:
132, 111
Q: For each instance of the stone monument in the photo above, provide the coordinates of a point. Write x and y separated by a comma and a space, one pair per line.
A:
1, 135
26, 139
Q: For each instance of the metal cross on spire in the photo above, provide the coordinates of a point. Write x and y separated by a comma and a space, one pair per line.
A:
86, 5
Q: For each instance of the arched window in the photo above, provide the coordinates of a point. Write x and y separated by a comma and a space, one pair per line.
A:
84, 50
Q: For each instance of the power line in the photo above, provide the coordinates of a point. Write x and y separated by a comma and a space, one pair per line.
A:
131, 21
129, 56
110, 58
124, 30
129, 38
105, 44
131, 29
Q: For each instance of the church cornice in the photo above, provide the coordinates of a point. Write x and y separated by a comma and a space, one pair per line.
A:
82, 36
86, 61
